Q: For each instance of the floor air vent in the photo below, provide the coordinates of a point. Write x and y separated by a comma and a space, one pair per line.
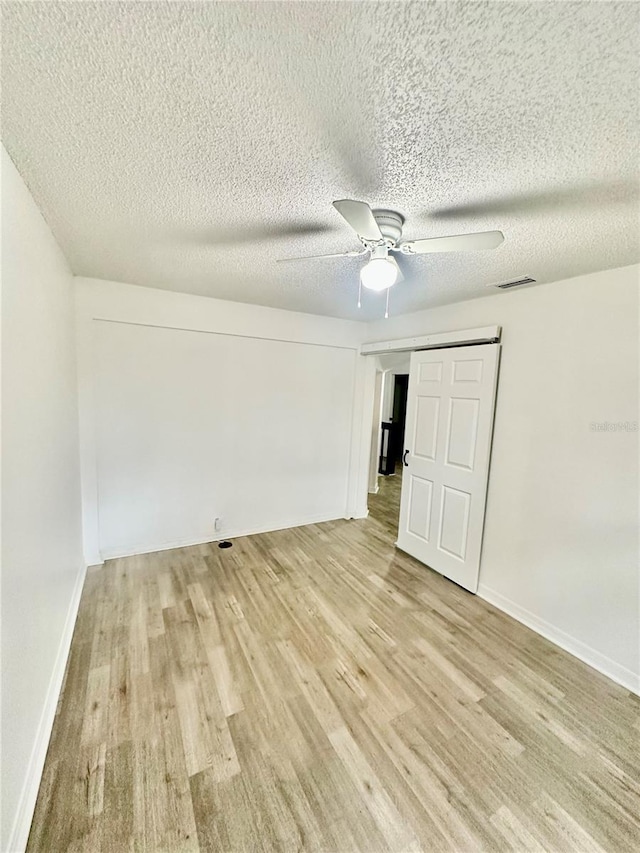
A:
517, 283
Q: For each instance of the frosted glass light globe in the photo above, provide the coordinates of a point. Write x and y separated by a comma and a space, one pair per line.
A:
378, 274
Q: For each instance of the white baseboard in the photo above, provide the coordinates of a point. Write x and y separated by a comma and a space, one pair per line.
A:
360, 513
26, 804
152, 547
615, 671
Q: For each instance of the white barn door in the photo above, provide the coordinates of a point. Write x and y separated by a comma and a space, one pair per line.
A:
447, 448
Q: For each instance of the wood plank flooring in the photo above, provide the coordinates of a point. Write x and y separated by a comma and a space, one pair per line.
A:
385, 506
314, 689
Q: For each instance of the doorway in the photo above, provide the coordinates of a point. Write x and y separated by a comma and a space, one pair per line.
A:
388, 440
398, 418
392, 425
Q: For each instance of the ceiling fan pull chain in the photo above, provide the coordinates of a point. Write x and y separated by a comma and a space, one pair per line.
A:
359, 294
386, 313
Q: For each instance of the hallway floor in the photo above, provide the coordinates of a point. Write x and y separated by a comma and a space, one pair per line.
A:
315, 689
385, 506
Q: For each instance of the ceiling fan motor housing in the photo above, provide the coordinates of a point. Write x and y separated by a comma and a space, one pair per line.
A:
390, 224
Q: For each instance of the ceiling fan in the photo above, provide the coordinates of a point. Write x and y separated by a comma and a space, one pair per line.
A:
380, 231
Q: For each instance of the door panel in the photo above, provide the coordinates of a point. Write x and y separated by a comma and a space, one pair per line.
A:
454, 522
425, 429
431, 371
420, 507
462, 432
448, 438
467, 370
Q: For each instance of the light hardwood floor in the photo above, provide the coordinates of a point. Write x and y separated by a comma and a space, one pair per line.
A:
385, 506
315, 689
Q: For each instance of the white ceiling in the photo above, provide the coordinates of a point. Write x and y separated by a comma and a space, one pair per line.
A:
188, 146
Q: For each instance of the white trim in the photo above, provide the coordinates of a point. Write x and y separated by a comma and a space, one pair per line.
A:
152, 548
615, 671
362, 514
19, 834
376, 432
360, 448
85, 367
482, 335
282, 339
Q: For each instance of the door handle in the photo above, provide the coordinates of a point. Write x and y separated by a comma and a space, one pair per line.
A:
404, 459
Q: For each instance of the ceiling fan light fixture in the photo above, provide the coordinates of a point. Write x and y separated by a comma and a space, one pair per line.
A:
379, 274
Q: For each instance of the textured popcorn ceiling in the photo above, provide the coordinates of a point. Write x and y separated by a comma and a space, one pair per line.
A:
187, 146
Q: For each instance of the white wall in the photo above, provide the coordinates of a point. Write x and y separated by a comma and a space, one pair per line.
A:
561, 536
42, 566
194, 409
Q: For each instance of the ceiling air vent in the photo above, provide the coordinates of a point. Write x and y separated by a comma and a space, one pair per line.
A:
517, 283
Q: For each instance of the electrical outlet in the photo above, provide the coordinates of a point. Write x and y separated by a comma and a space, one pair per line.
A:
217, 524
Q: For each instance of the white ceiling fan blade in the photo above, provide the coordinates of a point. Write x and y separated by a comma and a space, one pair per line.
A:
360, 217
354, 254
459, 243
